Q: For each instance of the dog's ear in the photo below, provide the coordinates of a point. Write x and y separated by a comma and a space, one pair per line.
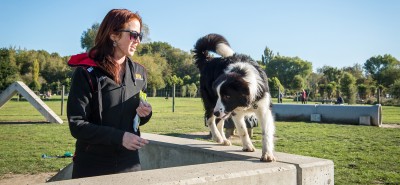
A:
245, 96
240, 88
238, 83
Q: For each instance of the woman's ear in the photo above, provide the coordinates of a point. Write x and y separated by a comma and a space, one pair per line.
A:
113, 37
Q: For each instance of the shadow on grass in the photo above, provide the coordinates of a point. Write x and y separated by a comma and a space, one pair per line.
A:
45, 100
23, 122
196, 135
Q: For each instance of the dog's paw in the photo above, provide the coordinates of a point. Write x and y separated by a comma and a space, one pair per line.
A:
249, 149
218, 140
268, 158
227, 143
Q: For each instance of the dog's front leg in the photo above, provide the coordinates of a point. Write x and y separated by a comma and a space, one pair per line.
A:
216, 135
243, 134
220, 126
268, 130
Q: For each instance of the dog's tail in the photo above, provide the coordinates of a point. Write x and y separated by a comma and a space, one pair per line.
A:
211, 42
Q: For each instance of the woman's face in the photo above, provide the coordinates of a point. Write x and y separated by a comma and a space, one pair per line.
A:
126, 45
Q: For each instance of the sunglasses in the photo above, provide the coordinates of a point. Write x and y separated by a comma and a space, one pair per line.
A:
134, 35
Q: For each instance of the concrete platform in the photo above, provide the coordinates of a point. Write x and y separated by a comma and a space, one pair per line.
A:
172, 160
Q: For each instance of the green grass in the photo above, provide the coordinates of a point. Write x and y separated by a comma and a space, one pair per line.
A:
361, 154
391, 115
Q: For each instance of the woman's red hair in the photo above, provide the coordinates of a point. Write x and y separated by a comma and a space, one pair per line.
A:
103, 50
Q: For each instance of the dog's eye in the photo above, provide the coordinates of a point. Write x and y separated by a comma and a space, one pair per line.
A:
227, 97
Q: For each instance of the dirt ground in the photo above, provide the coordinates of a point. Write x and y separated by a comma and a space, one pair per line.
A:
390, 125
25, 179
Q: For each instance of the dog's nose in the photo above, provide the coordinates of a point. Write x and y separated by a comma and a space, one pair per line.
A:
216, 113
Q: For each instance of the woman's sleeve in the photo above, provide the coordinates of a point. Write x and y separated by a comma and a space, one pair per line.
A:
79, 109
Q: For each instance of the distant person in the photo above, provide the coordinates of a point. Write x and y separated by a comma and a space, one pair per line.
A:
303, 97
280, 96
104, 113
339, 100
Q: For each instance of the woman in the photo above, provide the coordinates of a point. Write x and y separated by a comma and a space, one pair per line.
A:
104, 99
303, 97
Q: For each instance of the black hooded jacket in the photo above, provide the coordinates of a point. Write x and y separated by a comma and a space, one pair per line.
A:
118, 109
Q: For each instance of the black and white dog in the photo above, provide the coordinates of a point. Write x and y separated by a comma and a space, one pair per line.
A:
234, 85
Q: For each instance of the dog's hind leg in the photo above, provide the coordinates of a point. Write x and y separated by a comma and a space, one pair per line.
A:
268, 130
220, 126
243, 134
216, 135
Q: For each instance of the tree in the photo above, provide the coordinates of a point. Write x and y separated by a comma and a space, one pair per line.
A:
362, 91
312, 84
67, 84
155, 66
146, 33
372, 90
348, 88
54, 69
322, 90
186, 79
267, 57
330, 89
192, 89
88, 37
395, 89
184, 90
35, 85
286, 68
357, 71
8, 68
56, 87
298, 83
174, 80
332, 74
275, 86
179, 62
390, 75
24, 60
379, 67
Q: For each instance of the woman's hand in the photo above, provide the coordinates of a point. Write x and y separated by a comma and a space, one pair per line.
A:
144, 109
133, 142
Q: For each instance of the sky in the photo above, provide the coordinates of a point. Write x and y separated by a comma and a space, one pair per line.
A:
337, 33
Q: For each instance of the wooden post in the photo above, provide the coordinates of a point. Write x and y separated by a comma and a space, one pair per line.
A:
62, 99
173, 98
379, 95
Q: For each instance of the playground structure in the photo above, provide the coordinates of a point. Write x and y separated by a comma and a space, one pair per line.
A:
342, 114
28, 94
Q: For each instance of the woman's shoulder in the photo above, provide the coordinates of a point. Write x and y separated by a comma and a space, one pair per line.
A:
79, 70
137, 65
88, 71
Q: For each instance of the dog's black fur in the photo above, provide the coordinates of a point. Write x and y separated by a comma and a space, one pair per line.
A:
233, 85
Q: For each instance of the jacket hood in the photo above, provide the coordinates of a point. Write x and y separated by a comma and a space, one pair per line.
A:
81, 60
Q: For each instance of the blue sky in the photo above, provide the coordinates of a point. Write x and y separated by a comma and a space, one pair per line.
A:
337, 33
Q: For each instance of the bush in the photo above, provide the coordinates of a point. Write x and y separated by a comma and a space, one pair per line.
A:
370, 101
391, 102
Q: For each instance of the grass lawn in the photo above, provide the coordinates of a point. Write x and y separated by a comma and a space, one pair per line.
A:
361, 154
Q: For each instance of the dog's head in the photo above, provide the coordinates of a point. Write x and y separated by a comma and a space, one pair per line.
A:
233, 92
